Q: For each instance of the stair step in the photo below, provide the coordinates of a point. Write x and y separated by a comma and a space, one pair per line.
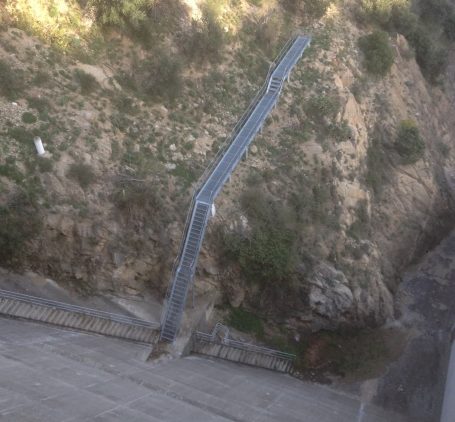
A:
71, 316
200, 209
192, 242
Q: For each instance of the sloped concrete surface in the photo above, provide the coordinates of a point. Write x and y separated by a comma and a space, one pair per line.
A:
53, 375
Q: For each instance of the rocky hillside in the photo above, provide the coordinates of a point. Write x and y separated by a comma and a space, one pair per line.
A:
343, 189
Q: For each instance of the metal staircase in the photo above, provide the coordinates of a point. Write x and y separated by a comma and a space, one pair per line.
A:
216, 176
185, 271
274, 85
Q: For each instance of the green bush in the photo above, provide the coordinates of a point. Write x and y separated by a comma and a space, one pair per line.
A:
267, 31
430, 53
292, 6
409, 144
41, 104
185, 173
316, 9
245, 321
87, 82
123, 14
403, 20
360, 228
82, 173
418, 25
136, 199
268, 253
10, 170
21, 134
161, 77
45, 164
435, 11
379, 11
378, 52
321, 108
148, 21
166, 16
28, 117
41, 78
377, 168
11, 82
340, 132
205, 39
312, 9
19, 222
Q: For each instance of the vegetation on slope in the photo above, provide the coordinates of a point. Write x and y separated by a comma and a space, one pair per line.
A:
267, 254
427, 25
128, 137
378, 52
409, 143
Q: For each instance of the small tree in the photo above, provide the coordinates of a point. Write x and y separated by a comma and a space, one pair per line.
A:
409, 144
378, 52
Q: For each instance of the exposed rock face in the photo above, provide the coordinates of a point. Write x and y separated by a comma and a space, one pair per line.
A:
359, 239
358, 265
414, 383
334, 301
330, 296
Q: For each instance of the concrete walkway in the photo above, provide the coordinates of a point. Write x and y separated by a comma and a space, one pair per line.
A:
49, 374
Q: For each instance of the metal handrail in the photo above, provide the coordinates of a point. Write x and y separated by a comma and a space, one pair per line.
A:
35, 300
249, 347
240, 124
215, 161
215, 175
218, 327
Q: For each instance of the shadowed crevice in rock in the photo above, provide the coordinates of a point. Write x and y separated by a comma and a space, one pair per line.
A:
414, 384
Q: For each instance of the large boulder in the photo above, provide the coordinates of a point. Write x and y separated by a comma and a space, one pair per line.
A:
330, 295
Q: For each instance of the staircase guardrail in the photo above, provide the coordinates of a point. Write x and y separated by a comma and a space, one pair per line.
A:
221, 152
35, 300
214, 178
249, 347
210, 168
